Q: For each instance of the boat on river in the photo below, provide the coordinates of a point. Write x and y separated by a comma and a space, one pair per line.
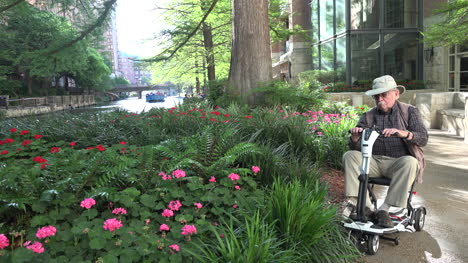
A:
155, 97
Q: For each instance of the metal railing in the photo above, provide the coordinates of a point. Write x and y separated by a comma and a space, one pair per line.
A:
56, 101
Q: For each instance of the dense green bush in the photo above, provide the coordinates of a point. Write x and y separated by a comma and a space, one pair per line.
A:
121, 171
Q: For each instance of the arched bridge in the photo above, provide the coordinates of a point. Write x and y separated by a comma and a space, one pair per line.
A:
142, 87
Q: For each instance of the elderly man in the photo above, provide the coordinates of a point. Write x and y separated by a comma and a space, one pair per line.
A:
396, 154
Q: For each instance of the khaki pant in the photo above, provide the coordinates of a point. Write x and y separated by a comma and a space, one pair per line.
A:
401, 170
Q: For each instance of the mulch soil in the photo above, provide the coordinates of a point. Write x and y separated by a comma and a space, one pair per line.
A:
335, 181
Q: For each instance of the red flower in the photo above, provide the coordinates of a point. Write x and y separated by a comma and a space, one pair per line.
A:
39, 159
1, 142
55, 150
212, 119
23, 132
227, 115
122, 142
173, 108
26, 142
37, 136
217, 113
8, 140
89, 148
4, 152
44, 165
100, 148
248, 117
216, 107
12, 130
72, 143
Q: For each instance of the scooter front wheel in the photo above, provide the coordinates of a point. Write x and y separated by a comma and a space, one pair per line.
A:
419, 218
373, 244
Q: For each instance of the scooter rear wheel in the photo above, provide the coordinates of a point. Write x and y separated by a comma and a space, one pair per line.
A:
373, 244
419, 218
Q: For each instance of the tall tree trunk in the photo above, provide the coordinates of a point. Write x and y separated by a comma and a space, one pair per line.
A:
29, 82
250, 56
197, 79
208, 43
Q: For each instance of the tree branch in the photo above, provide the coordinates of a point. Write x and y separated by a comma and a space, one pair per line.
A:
156, 59
10, 5
108, 7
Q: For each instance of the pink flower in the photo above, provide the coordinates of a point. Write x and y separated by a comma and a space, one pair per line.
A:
212, 179
175, 247
119, 211
234, 177
167, 213
88, 203
188, 230
164, 176
198, 205
36, 247
237, 187
4, 242
46, 231
174, 205
164, 227
255, 169
234, 206
178, 173
319, 133
147, 221
112, 224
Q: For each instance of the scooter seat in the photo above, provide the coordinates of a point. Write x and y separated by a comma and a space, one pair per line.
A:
380, 180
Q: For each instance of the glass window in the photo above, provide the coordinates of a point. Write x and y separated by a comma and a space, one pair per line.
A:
327, 55
452, 63
365, 14
400, 57
401, 13
365, 59
341, 59
315, 57
326, 19
314, 20
340, 16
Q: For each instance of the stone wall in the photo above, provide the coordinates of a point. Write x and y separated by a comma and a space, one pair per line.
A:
48, 104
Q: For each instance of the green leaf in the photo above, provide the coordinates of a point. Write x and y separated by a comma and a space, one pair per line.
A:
131, 192
109, 258
39, 207
97, 243
49, 195
40, 220
148, 200
90, 213
188, 218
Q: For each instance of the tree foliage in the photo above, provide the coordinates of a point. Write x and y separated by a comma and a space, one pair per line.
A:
453, 30
35, 48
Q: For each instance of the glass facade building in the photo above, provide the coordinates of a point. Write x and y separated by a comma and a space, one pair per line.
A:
364, 39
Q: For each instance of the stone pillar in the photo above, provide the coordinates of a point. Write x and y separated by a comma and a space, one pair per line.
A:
466, 120
301, 57
277, 49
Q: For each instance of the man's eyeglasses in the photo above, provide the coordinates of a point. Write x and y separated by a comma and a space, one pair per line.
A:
383, 95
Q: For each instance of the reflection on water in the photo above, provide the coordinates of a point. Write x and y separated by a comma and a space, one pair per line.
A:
133, 104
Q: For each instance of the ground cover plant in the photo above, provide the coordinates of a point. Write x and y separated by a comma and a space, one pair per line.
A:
157, 186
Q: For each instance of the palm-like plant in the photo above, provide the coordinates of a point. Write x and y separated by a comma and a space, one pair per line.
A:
211, 153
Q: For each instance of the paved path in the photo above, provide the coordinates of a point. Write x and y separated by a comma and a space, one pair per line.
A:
444, 193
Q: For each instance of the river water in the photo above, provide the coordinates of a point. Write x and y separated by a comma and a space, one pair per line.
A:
133, 104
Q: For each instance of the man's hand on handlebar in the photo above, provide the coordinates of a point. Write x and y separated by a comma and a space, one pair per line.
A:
355, 133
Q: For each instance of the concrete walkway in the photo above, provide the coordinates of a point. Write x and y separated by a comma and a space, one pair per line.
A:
444, 193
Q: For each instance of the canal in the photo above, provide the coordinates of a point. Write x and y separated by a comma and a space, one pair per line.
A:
135, 105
